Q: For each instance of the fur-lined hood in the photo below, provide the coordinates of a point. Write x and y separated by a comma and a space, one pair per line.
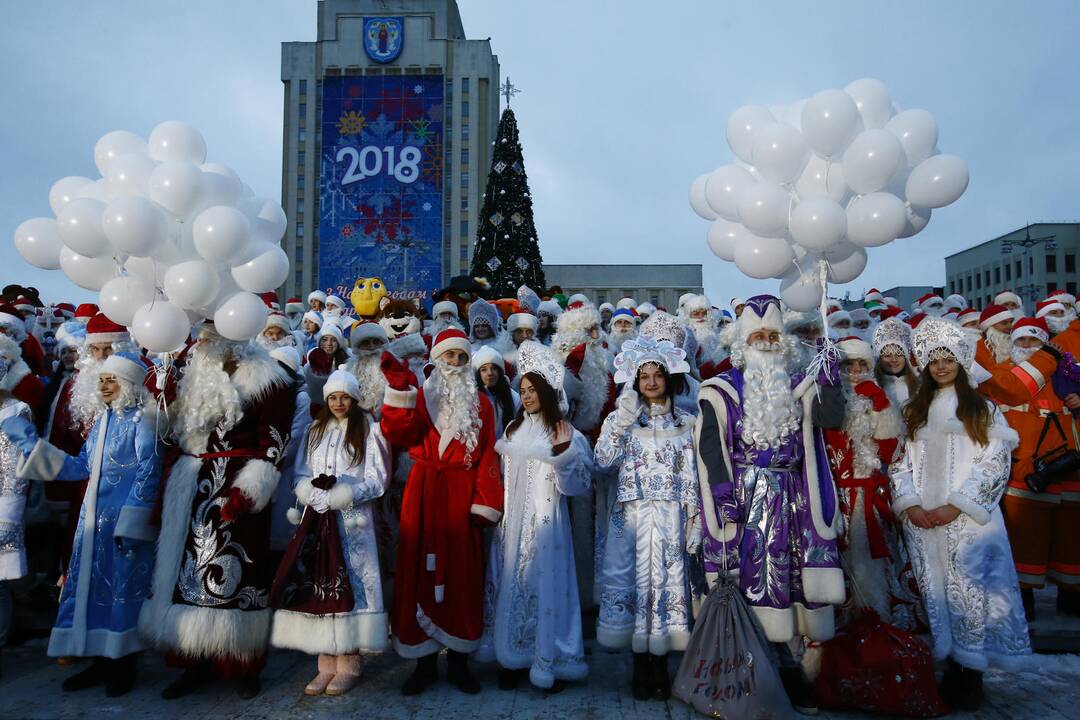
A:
18, 369
257, 374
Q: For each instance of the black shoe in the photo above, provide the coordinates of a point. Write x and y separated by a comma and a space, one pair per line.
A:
96, 674
968, 692
661, 683
948, 686
509, 679
641, 682
121, 676
457, 672
423, 676
557, 687
799, 690
1068, 602
189, 681
1027, 596
248, 686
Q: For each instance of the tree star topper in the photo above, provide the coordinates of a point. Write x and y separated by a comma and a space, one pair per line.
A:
509, 90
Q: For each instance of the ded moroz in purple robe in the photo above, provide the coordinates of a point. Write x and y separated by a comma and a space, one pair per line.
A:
776, 524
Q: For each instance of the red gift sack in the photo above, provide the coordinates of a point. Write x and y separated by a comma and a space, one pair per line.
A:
876, 667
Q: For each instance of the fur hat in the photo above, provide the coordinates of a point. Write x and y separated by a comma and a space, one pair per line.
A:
856, 349
627, 303
967, 315
101, 329
406, 345
341, 381
859, 315
834, 318
85, 311
761, 312
126, 365
67, 309
624, 314
70, 334
444, 306
794, 320
276, 319
574, 324
486, 355
956, 301
522, 320
874, 295
1048, 306
313, 316
1031, 327
607, 306
577, 299
333, 331
450, 339
891, 331
287, 356
294, 305
1008, 296
335, 301
935, 335
367, 330
316, 295
10, 317
891, 301
992, 314
550, 308
1067, 299
646, 308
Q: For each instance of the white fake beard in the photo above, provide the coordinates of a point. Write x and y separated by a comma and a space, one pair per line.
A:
268, 344
770, 411
858, 426
617, 337
974, 333
366, 370
804, 353
1059, 325
1017, 313
594, 391
86, 402
454, 388
1000, 344
1022, 354
206, 397
438, 325
708, 338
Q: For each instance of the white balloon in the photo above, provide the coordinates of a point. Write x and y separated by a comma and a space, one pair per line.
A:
160, 326
97, 190
148, 270
801, 291
937, 181
173, 140
38, 242
741, 127
129, 175
779, 152
822, 179
846, 262
114, 144
871, 160
917, 132
818, 223
872, 100
763, 257
875, 219
222, 185
189, 284
268, 221
724, 236
227, 288
763, 209
830, 122
221, 233
134, 225
87, 272
916, 218
64, 189
698, 203
80, 227
122, 296
792, 114
264, 272
240, 317
723, 187
177, 186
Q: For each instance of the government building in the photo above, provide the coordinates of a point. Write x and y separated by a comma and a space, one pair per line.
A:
390, 116
660, 285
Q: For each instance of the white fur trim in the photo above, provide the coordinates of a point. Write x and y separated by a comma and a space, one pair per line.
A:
400, 398
438, 638
258, 481
257, 374
333, 634
823, 585
134, 522
827, 532
303, 491
293, 515
903, 503
614, 639
488, 513
818, 624
340, 496
444, 306
660, 643
43, 463
969, 507
728, 531
887, 423
69, 642
17, 372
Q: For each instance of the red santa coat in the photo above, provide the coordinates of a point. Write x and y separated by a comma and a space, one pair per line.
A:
439, 575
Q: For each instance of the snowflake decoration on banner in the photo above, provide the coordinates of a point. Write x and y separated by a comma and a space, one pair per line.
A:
351, 123
500, 166
517, 219
382, 131
420, 131
418, 89
523, 263
426, 206
493, 264
496, 219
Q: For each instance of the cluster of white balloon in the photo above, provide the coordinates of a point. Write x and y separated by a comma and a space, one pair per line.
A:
818, 182
167, 238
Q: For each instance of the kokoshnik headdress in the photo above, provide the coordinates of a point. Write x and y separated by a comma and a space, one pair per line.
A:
641, 350
936, 338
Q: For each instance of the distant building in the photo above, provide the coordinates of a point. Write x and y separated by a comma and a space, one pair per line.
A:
660, 285
905, 295
389, 119
1031, 261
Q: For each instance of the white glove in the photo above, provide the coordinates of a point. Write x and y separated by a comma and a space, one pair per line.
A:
319, 501
628, 408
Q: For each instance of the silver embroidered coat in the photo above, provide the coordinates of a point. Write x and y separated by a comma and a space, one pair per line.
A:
12, 498
644, 586
964, 569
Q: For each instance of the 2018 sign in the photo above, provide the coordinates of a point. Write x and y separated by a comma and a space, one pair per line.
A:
368, 162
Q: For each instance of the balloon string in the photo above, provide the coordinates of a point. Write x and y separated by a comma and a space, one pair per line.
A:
828, 354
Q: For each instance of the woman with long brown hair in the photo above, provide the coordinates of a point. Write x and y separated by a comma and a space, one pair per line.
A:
947, 488
532, 617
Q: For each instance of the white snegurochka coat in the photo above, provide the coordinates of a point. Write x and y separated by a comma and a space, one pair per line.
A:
13, 490
366, 627
965, 569
532, 615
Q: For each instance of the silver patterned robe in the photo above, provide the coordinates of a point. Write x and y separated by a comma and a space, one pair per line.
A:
965, 569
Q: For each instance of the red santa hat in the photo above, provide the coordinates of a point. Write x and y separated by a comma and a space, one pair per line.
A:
993, 314
952, 313
10, 317
295, 305
101, 329
367, 330
856, 349
1046, 307
1031, 327
316, 295
928, 298
86, 311
24, 305
915, 320
450, 339
67, 309
874, 295
270, 300
890, 301
276, 319
968, 316
1007, 296
890, 311
1065, 298
832, 306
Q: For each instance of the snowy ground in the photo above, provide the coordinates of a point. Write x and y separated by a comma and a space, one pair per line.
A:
1049, 689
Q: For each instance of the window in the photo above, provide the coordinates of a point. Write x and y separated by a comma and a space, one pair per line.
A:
464, 131
952, 286
1051, 286
968, 283
1070, 287
302, 136
997, 276
298, 254
654, 298
1019, 269
300, 181
464, 110
303, 87
301, 157
464, 157
1008, 272
298, 279
464, 179
465, 203
299, 229
464, 254
464, 228
1051, 263
303, 110
978, 281
1031, 264
1070, 263
464, 85
986, 278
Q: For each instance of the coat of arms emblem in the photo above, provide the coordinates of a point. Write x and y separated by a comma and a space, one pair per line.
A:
383, 38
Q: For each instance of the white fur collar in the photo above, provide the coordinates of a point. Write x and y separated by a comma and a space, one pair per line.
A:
15, 375
256, 374
531, 441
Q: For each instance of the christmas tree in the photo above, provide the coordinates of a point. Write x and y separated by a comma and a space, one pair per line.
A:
506, 251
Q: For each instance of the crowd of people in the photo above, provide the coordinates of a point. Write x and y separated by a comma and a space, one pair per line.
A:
487, 482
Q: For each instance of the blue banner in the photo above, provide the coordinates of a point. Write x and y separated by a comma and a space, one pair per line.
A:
380, 184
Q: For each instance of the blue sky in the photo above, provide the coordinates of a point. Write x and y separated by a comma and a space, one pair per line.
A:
623, 103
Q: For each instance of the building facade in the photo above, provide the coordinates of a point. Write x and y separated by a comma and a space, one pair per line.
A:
660, 285
1031, 261
390, 115
905, 295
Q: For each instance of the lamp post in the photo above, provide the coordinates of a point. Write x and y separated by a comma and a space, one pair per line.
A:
1030, 290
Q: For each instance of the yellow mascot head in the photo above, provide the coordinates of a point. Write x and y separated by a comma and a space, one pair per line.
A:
365, 296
